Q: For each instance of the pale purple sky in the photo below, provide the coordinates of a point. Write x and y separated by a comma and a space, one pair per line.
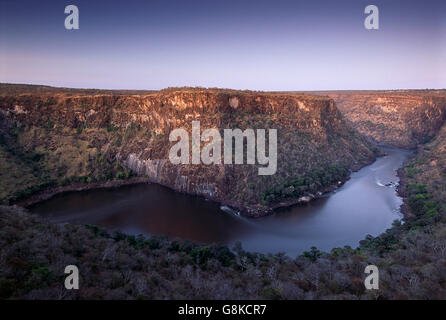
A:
261, 45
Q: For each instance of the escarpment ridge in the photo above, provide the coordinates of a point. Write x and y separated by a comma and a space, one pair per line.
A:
74, 136
402, 118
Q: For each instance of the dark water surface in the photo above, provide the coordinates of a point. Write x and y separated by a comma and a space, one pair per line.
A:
366, 204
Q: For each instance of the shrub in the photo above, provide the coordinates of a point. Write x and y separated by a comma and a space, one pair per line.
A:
271, 293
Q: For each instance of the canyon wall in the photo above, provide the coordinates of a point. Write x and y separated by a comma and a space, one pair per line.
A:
403, 118
65, 136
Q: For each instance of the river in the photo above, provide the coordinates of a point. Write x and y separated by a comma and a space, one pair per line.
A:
366, 204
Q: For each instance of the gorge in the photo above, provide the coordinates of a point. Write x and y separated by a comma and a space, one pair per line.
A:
57, 139
77, 137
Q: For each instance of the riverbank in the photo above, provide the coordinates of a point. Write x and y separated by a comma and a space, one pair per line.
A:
326, 222
402, 187
327, 190
48, 194
256, 211
249, 212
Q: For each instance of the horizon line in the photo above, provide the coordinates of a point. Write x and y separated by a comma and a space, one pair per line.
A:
216, 88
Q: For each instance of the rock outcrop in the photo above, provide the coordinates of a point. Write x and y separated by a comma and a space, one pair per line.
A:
403, 118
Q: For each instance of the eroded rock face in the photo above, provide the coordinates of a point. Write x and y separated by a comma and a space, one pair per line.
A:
400, 118
429, 167
316, 147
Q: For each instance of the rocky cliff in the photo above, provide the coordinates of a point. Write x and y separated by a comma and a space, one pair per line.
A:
403, 118
74, 136
428, 168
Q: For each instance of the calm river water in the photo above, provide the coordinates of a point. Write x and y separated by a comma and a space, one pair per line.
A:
366, 204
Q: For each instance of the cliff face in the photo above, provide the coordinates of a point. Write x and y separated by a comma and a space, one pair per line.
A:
400, 118
68, 137
429, 167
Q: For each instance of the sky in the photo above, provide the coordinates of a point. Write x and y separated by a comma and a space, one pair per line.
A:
244, 44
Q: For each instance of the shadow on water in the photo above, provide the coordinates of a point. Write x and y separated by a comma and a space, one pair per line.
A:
365, 204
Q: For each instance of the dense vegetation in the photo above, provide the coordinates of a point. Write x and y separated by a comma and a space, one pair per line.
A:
411, 257
34, 253
35, 159
310, 183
